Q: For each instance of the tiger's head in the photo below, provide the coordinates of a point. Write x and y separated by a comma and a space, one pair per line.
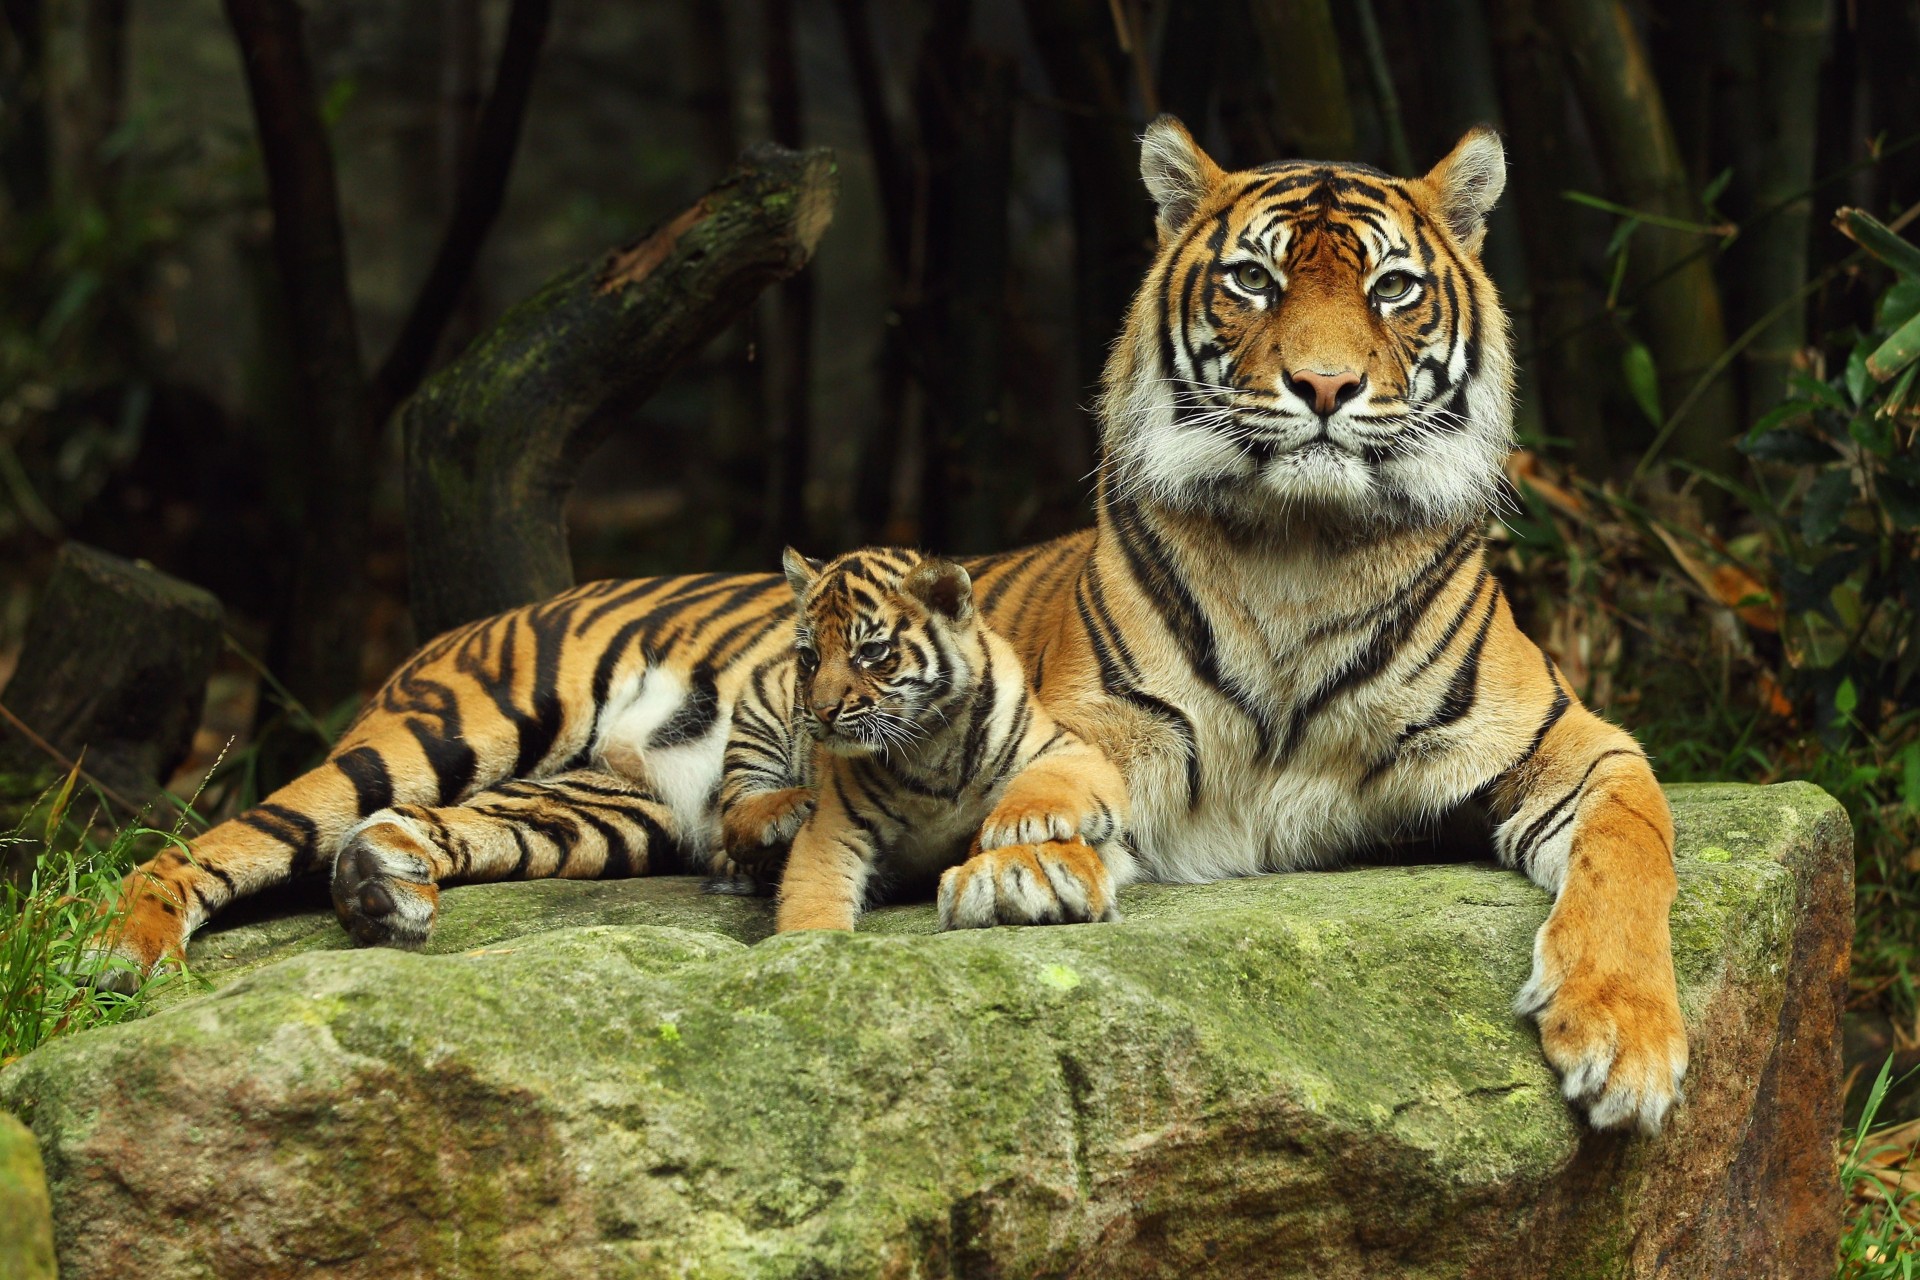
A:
887, 645
1313, 340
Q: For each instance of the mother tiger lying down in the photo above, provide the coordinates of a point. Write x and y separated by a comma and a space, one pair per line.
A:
1281, 628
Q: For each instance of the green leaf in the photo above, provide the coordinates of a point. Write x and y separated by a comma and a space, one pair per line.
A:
1910, 776
1846, 698
1779, 416
1826, 502
1786, 446
1856, 376
1875, 435
1897, 352
1899, 304
1621, 234
1714, 189
1879, 240
1818, 391
1642, 379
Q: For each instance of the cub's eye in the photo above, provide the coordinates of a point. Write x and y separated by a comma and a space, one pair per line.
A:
874, 651
807, 658
1252, 277
1393, 286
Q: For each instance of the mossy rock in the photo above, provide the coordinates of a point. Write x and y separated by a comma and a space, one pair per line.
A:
26, 1217
1304, 1075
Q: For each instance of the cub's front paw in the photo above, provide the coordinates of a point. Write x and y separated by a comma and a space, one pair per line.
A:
1613, 1032
383, 886
756, 827
1045, 882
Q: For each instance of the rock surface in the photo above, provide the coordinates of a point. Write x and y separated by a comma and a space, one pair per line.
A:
1306, 1075
26, 1218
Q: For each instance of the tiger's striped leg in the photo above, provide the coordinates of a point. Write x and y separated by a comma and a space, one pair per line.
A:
579, 825
1584, 818
290, 835
763, 793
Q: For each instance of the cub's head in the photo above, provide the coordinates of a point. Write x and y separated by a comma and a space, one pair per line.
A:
886, 647
1313, 340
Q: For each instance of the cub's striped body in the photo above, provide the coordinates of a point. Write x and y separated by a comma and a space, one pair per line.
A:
926, 748
1281, 629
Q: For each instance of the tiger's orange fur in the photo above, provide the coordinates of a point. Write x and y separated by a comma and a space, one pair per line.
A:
1282, 629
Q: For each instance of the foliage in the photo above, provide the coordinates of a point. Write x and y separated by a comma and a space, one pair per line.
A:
1880, 1174
56, 933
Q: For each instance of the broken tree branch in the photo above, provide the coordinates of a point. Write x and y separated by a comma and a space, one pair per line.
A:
494, 439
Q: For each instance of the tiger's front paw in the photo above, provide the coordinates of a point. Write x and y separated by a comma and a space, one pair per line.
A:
383, 886
1612, 1031
152, 931
755, 828
1044, 882
1029, 820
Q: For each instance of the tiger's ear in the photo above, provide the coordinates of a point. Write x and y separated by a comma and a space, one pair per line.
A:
943, 587
801, 571
1178, 174
1467, 183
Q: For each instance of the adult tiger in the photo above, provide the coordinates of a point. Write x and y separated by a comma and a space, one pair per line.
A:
1282, 628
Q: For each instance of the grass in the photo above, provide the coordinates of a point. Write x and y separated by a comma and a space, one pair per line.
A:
58, 929
1880, 1171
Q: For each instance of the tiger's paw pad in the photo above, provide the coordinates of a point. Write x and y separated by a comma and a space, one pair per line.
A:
1047, 882
1029, 822
1618, 1043
383, 888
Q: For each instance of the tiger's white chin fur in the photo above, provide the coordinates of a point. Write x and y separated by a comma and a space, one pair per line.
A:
1430, 478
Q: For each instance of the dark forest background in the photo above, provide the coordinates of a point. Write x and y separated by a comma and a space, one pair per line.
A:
236, 240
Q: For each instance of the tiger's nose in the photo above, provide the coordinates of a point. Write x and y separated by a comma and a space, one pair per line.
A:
1324, 391
826, 711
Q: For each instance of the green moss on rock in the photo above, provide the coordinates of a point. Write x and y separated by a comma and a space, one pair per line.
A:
1315, 1074
26, 1216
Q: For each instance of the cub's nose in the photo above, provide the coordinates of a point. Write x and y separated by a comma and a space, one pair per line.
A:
1324, 391
826, 711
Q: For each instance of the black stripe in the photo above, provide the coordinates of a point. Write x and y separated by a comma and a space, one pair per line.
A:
695, 717
294, 829
1537, 833
451, 759
366, 769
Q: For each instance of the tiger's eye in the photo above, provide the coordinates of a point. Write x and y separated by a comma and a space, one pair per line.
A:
875, 651
1393, 286
1252, 277
807, 658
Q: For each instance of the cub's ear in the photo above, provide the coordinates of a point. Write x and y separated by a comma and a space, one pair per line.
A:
1178, 174
1467, 183
943, 587
801, 571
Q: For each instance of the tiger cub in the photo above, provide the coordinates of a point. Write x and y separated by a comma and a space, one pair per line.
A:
924, 753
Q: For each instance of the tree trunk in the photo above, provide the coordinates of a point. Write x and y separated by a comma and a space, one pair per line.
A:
965, 98
874, 486
493, 441
1313, 118
1112, 225
1678, 310
26, 131
115, 664
790, 421
1467, 88
1792, 39
317, 646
